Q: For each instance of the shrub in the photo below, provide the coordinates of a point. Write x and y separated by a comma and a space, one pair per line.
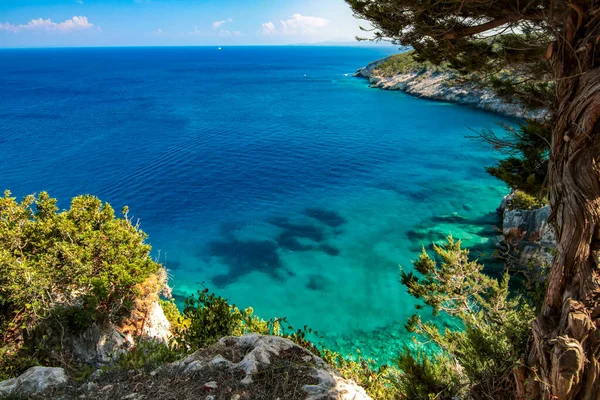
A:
524, 201
209, 317
177, 321
496, 325
71, 268
426, 376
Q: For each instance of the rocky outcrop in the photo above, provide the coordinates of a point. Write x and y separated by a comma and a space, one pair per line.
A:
252, 355
35, 380
528, 238
250, 367
101, 345
444, 86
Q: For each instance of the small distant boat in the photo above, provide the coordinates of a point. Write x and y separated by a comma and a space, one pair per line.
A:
219, 48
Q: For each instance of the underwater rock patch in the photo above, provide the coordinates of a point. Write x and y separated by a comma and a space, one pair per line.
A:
244, 257
328, 249
326, 217
316, 282
307, 231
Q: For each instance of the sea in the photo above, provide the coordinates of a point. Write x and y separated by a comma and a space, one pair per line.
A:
269, 175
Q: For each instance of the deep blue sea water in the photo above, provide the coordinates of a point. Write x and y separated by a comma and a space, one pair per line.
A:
268, 173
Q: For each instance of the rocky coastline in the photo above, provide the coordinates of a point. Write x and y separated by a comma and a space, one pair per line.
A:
443, 85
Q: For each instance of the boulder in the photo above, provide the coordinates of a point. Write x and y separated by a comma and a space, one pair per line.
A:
33, 381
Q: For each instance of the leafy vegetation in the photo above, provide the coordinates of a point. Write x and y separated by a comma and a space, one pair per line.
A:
403, 63
524, 201
493, 335
71, 268
527, 151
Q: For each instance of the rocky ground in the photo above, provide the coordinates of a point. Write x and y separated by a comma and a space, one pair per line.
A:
235, 368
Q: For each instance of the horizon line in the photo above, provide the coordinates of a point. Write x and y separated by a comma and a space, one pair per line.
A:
316, 44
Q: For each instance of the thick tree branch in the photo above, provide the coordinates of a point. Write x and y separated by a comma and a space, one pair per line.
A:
495, 23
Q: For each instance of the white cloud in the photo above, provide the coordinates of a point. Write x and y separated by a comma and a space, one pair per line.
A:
70, 25
298, 24
217, 24
268, 28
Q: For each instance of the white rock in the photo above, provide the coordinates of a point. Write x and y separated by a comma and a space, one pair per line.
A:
211, 385
34, 380
156, 326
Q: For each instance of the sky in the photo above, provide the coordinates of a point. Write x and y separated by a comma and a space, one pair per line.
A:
46, 23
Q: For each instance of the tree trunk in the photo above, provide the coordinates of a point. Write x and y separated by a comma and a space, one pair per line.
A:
564, 359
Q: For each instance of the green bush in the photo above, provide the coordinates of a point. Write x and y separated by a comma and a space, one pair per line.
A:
71, 268
496, 323
524, 201
426, 377
208, 317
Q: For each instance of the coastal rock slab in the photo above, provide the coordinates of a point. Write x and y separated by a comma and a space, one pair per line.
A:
33, 381
253, 354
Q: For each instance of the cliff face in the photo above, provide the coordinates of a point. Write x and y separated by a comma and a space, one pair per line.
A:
443, 86
528, 238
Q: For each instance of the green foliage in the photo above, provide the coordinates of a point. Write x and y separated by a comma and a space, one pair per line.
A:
524, 201
429, 376
527, 151
496, 324
148, 355
177, 321
71, 268
209, 317
403, 63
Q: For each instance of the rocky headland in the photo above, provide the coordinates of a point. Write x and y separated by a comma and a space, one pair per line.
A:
438, 83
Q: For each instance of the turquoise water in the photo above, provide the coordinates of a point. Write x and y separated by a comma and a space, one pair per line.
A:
268, 173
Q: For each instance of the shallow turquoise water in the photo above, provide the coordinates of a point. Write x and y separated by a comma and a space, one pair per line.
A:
269, 174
